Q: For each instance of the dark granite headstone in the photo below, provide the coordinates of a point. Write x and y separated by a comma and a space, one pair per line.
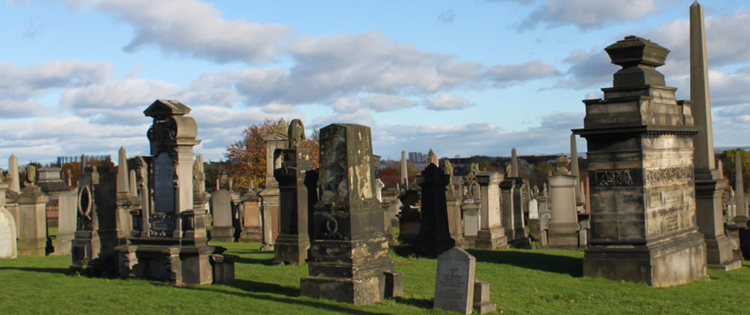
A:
434, 232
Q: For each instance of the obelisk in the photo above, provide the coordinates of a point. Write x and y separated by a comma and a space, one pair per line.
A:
708, 182
404, 174
514, 163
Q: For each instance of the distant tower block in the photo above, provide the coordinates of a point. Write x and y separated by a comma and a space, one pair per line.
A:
640, 151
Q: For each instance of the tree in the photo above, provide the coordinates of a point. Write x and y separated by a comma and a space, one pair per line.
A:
728, 161
246, 158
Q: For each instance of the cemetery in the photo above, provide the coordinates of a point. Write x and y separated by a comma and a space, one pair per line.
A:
650, 224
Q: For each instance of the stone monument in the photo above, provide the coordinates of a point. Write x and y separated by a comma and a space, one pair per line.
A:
640, 152
434, 232
32, 223
8, 243
563, 226
349, 252
491, 234
454, 283
278, 139
221, 213
297, 194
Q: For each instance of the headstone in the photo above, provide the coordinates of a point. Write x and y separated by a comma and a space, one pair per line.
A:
278, 139
66, 226
409, 217
349, 252
708, 180
32, 231
8, 245
297, 194
492, 232
643, 219
200, 196
563, 227
471, 205
253, 229
454, 283
175, 249
221, 212
482, 298
512, 213
453, 202
434, 233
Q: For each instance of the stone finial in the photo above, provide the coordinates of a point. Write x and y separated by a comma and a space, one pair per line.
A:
638, 57
282, 127
15, 179
562, 162
296, 133
432, 158
30, 174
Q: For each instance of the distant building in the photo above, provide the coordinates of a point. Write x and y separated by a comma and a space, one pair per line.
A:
417, 157
62, 160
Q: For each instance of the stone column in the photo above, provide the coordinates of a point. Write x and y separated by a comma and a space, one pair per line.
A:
709, 184
563, 226
349, 252
512, 213
491, 234
32, 221
640, 152
125, 201
739, 190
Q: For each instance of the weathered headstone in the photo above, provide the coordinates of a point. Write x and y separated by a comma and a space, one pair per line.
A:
221, 211
482, 298
278, 139
253, 229
563, 227
492, 232
349, 252
8, 245
126, 202
32, 231
471, 205
297, 194
708, 180
512, 214
434, 233
66, 224
454, 283
453, 202
201, 198
643, 219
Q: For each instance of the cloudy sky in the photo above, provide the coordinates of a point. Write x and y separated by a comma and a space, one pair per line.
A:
462, 77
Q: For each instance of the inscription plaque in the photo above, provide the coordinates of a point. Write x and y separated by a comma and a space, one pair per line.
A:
164, 190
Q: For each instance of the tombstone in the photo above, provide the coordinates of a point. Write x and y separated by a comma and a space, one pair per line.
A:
278, 139
434, 232
492, 232
93, 251
544, 215
533, 222
221, 212
175, 249
349, 252
471, 205
512, 213
297, 193
253, 229
482, 298
409, 218
8, 242
454, 282
32, 231
563, 227
142, 214
126, 202
201, 198
66, 224
379, 185
455, 223
643, 217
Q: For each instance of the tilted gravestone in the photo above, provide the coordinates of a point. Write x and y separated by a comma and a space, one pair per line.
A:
349, 252
454, 283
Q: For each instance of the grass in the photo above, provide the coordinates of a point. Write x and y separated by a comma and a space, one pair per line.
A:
521, 281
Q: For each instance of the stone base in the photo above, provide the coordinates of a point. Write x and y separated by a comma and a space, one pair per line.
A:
720, 254
251, 234
357, 292
63, 244
223, 268
491, 239
535, 229
672, 261
174, 264
32, 247
481, 299
291, 249
469, 241
222, 234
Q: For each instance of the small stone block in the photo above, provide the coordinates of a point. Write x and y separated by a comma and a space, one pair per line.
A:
482, 302
394, 284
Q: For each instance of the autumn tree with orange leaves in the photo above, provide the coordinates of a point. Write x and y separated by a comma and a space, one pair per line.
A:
246, 158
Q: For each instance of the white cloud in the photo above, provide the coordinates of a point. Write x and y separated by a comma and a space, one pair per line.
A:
446, 102
446, 17
18, 82
587, 14
194, 28
505, 75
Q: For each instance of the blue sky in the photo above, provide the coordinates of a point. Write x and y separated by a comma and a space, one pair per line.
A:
461, 77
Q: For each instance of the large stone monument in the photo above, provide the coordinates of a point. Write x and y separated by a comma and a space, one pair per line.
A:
491, 234
297, 194
32, 223
709, 184
434, 231
278, 139
640, 152
175, 250
349, 252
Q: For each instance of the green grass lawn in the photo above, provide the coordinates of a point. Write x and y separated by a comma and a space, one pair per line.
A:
521, 281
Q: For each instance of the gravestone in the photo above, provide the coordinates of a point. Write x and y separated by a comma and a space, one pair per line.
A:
482, 298
93, 251
349, 252
409, 217
278, 139
126, 202
471, 205
297, 193
32, 223
404, 172
453, 202
454, 283
175, 249
201, 198
434, 232
8, 243
512, 213
221, 212
563, 226
253, 229
492, 232
66, 224
640, 152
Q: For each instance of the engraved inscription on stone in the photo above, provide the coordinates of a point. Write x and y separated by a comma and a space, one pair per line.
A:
162, 224
164, 199
454, 284
670, 223
605, 178
669, 174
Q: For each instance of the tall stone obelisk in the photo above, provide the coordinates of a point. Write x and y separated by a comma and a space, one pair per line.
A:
708, 182
404, 172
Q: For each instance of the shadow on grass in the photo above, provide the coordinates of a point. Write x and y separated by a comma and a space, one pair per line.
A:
531, 260
264, 287
63, 271
420, 303
256, 261
291, 300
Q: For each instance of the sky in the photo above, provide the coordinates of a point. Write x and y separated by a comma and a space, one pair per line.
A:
471, 77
